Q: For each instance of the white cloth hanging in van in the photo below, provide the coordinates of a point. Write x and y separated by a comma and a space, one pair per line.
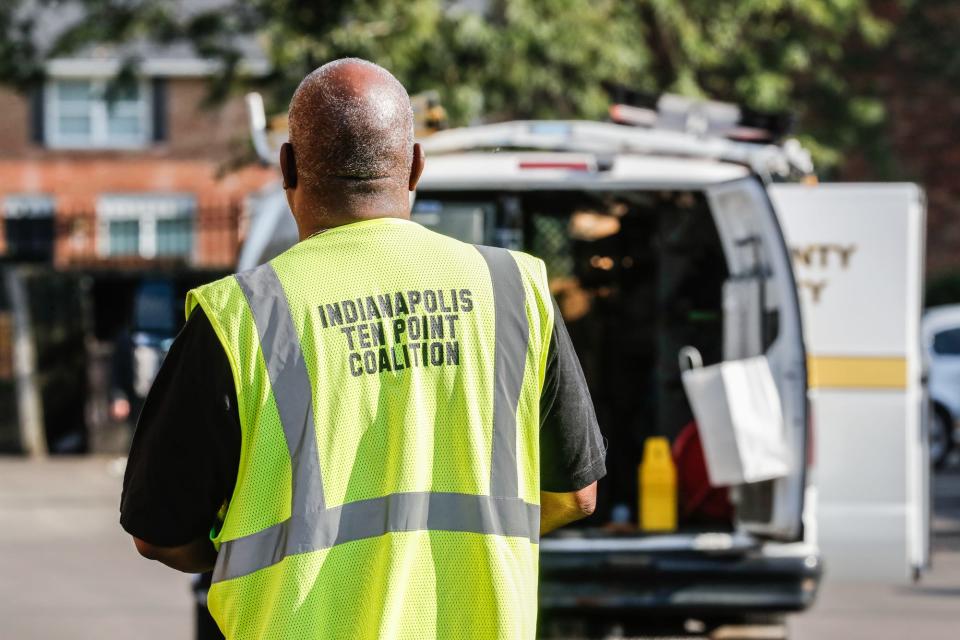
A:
738, 413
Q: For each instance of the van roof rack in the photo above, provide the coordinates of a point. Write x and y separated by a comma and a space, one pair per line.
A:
788, 159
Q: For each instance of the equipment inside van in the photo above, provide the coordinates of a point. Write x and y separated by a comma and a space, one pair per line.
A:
638, 275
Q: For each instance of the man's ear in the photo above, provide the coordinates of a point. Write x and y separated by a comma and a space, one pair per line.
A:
416, 168
288, 166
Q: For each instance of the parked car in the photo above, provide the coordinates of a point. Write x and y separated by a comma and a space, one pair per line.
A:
941, 340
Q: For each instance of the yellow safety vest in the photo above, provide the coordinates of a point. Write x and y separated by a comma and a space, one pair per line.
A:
388, 381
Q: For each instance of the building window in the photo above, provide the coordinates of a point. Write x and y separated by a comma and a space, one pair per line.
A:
28, 221
88, 114
146, 225
175, 236
124, 238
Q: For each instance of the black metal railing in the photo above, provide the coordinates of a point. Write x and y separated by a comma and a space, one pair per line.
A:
206, 237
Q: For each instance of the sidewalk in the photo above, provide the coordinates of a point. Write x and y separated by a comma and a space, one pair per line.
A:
69, 570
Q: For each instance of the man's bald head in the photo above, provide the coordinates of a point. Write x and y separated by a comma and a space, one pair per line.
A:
351, 122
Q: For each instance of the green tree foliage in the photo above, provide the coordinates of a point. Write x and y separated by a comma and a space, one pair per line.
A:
503, 59
775, 55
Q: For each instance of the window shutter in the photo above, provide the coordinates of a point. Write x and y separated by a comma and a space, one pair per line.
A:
159, 109
36, 114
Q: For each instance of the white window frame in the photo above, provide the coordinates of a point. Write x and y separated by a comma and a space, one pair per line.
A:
147, 209
29, 205
99, 117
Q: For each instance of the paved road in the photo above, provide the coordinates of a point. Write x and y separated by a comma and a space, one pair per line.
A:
68, 571
929, 610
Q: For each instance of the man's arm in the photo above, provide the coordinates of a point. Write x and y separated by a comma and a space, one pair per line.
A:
185, 453
571, 447
559, 509
198, 556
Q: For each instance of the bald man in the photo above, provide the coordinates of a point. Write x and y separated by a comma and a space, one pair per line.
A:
366, 436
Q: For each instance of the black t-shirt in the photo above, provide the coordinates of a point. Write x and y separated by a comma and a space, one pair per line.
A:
186, 449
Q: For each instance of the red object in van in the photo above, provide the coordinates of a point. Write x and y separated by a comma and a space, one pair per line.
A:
698, 501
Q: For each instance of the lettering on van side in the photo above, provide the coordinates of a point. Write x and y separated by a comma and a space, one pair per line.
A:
822, 256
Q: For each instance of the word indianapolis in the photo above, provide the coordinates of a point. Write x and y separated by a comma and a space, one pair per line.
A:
400, 330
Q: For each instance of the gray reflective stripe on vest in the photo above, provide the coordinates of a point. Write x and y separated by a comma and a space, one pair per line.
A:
510, 357
312, 527
280, 344
362, 519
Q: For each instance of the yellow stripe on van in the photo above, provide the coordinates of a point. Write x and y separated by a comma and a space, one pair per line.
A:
826, 372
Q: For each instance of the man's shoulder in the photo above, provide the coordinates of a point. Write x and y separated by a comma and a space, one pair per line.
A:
213, 295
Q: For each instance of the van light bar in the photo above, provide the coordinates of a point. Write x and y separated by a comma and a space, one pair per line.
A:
750, 134
696, 116
634, 116
700, 124
569, 166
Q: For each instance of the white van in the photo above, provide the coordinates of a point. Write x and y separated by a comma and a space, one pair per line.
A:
858, 254
654, 240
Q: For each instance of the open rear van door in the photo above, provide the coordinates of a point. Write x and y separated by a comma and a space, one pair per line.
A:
858, 253
762, 317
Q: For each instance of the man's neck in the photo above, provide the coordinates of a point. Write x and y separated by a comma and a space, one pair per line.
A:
311, 226
318, 210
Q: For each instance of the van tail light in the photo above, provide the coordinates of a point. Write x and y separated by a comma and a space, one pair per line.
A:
569, 166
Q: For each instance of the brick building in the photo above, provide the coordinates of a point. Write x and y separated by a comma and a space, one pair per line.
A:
95, 172
123, 195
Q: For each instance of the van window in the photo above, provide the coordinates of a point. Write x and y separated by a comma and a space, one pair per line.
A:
947, 343
465, 221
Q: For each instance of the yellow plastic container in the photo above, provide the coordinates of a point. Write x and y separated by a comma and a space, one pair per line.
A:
657, 476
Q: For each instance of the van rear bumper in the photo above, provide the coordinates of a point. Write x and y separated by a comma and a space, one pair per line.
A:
677, 583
